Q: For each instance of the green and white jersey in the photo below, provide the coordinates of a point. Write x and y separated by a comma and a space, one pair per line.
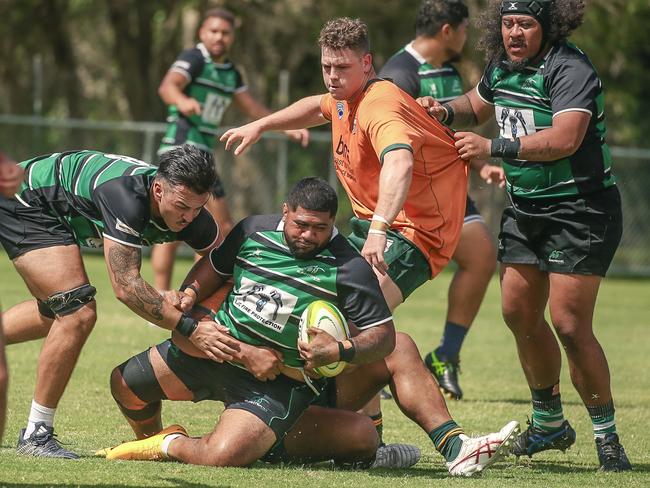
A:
272, 287
525, 102
97, 195
213, 85
411, 72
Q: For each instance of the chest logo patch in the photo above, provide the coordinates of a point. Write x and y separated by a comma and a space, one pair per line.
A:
267, 305
515, 122
339, 109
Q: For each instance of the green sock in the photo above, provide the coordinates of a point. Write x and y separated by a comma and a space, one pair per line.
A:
379, 425
547, 408
446, 439
602, 419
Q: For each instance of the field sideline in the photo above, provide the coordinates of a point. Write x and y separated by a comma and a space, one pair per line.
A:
492, 379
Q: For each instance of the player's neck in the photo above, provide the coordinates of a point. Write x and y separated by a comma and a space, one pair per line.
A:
355, 98
431, 50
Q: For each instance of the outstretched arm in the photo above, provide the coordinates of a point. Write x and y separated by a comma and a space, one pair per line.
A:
466, 111
131, 289
302, 114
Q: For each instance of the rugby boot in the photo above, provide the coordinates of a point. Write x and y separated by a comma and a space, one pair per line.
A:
611, 454
148, 449
534, 440
478, 453
446, 374
384, 394
396, 456
42, 443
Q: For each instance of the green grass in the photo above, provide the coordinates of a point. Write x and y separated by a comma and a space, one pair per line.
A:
492, 379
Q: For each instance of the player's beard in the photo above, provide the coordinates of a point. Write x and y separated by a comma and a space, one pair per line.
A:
517, 66
300, 252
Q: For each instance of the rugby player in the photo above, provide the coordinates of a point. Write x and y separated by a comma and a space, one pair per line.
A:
279, 265
88, 198
424, 68
198, 88
400, 169
563, 225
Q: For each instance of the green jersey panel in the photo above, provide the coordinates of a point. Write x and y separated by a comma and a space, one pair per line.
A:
526, 101
272, 287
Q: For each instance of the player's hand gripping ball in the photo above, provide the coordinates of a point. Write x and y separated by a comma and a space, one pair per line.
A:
325, 316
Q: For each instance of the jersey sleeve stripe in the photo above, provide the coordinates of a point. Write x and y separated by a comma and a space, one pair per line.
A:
478, 92
375, 324
175, 69
573, 110
393, 147
115, 239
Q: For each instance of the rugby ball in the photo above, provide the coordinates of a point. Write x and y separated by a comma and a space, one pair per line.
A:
325, 316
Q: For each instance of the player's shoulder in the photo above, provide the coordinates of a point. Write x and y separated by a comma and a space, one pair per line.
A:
401, 61
260, 223
380, 91
567, 56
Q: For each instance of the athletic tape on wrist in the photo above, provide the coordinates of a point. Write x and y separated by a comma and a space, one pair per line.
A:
186, 325
449, 119
347, 355
380, 219
505, 148
377, 231
190, 287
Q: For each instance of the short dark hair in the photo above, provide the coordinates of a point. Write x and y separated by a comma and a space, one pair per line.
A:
315, 194
188, 166
221, 13
345, 33
436, 13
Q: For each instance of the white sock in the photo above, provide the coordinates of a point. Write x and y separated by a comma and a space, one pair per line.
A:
39, 413
166, 441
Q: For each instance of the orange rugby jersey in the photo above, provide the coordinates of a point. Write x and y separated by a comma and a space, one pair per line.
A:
385, 118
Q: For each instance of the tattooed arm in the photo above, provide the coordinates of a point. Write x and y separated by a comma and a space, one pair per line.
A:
131, 289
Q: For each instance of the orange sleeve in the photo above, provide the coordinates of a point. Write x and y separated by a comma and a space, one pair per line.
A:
390, 125
326, 106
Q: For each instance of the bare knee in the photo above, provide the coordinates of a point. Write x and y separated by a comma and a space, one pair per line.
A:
85, 319
362, 439
573, 337
405, 350
222, 455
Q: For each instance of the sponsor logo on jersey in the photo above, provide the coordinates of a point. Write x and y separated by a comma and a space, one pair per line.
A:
122, 227
556, 257
311, 271
265, 304
339, 109
94, 242
354, 126
513, 6
515, 122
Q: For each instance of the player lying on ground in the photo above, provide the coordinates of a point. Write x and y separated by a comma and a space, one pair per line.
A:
88, 198
280, 264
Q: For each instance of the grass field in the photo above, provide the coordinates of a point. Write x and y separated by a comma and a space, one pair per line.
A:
492, 379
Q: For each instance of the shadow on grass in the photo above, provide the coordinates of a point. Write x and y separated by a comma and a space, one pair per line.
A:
170, 482
567, 467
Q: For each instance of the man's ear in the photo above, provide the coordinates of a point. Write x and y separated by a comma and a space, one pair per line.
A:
157, 189
285, 211
367, 62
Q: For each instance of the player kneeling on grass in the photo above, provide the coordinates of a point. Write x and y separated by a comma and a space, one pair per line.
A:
280, 264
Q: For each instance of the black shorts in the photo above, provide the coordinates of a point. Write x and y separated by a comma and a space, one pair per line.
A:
471, 212
278, 403
571, 235
23, 229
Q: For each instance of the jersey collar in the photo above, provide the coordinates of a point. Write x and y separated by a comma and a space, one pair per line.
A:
411, 50
206, 54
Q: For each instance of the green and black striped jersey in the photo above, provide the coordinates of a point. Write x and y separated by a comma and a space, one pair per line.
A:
526, 101
411, 72
213, 85
272, 287
97, 195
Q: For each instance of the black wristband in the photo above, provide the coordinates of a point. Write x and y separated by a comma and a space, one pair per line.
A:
191, 287
186, 325
449, 119
347, 355
505, 148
